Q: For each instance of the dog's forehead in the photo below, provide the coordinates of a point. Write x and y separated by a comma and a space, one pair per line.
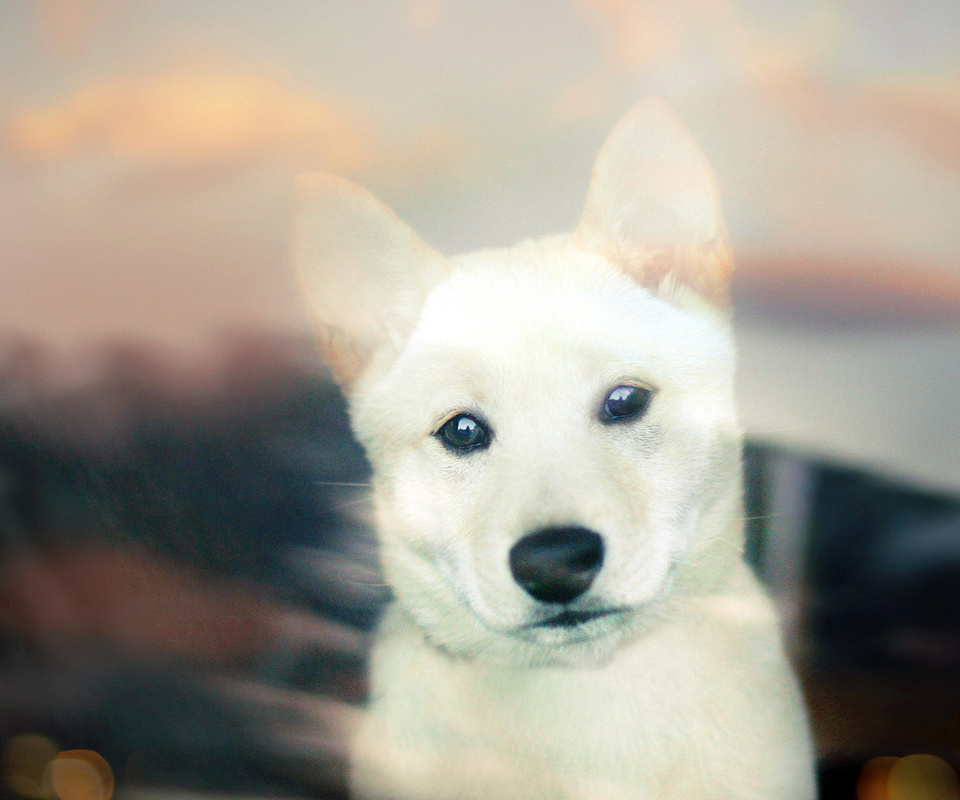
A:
517, 306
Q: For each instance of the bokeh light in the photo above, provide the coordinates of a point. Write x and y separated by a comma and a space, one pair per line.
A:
915, 777
34, 767
25, 756
923, 777
81, 775
874, 778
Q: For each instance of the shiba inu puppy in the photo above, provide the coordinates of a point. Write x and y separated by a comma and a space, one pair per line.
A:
557, 487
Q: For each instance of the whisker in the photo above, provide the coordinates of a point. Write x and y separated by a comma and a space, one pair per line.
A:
760, 517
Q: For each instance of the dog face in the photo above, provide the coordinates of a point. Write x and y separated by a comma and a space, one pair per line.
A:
551, 427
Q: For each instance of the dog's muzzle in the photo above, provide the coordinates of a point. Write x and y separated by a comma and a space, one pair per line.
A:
557, 565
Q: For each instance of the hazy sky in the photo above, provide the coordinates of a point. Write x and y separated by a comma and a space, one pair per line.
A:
146, 149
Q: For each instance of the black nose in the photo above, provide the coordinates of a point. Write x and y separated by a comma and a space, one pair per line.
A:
557, 565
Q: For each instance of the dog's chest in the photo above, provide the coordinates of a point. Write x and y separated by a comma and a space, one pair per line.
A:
627, 729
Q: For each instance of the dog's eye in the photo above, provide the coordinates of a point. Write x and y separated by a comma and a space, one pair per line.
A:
625, 402
464, 432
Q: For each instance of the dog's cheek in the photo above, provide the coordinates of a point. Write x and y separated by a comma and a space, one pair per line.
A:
411, 507
706, 489
424, 504
413, 543
680, 461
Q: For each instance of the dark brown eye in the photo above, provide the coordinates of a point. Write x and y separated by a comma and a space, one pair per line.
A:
625, 402
463, 433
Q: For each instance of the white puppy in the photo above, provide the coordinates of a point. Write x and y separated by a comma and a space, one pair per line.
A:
557, 484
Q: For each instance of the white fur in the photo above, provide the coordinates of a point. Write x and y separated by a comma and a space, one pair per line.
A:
685, 691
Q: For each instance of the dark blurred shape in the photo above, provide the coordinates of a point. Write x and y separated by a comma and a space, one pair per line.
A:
885, 562
186, 577
878, 595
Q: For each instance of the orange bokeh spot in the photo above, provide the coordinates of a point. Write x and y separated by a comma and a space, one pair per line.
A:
923, 777
916, 777
25, 757
81, 775
874, 778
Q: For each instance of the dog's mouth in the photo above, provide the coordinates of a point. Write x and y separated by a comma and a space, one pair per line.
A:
572, 619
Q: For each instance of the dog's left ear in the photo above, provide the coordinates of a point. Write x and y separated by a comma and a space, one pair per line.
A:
653, 206
363, 273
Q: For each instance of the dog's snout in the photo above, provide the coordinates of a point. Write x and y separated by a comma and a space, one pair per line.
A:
557, 565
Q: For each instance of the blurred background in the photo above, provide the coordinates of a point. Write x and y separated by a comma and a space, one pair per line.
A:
186, 579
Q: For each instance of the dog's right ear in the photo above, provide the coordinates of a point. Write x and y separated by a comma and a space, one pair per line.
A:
363, 273
653, 206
